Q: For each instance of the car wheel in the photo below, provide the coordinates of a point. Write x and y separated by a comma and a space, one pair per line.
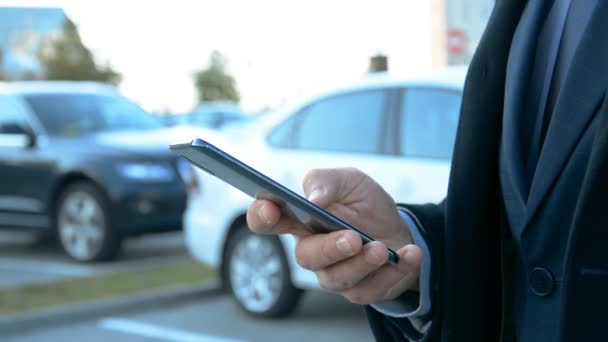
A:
258, 275
83, 224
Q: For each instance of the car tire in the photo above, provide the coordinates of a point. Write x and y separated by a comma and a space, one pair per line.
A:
83, 224
257, 274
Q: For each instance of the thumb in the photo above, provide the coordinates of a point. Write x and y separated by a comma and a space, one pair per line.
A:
326, 186
410, 258
320, 196
320, 186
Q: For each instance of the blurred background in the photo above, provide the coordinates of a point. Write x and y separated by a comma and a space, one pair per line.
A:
104, 233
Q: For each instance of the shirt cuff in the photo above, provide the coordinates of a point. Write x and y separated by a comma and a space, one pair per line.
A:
412, 304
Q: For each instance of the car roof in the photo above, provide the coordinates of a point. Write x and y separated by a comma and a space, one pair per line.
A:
447, 77
56, 87
451, 77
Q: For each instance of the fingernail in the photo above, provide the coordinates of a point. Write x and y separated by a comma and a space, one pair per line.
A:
315, 195
374, 257
263, 215
343, 246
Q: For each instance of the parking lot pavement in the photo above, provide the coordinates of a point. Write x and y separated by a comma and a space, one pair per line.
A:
25, 260
322, 317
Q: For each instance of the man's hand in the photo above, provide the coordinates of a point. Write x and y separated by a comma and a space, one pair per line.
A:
342, 264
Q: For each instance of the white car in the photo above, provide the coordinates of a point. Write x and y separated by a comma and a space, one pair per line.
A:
400, 132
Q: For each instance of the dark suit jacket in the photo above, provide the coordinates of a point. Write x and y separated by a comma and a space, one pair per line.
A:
469, 235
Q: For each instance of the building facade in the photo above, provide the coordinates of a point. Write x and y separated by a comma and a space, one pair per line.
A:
457, 26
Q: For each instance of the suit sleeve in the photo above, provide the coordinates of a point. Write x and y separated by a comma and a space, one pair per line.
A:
430, 219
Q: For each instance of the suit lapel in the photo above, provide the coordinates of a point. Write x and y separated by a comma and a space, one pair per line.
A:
519, 67
583, 91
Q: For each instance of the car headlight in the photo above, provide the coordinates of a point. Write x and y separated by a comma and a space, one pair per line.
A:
147, 172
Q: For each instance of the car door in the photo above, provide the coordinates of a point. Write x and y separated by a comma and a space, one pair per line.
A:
21, 201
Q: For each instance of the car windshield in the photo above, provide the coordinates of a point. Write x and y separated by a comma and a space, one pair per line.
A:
215, 118
81, 114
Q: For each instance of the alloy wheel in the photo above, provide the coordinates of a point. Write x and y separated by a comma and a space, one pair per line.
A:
255, 273
81, 225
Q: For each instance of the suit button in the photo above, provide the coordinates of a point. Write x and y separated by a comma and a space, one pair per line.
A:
541, 282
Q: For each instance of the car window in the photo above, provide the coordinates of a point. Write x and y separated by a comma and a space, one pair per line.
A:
280, 135
12, 117
348, 123
428, 123
77, 114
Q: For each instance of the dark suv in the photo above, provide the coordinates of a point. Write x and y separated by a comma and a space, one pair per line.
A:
81, 162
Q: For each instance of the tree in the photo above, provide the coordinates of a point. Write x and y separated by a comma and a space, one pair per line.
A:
213, 83
65, 57
1, 65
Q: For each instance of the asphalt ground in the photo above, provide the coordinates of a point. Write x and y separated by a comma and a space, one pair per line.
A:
25, 260
321, 317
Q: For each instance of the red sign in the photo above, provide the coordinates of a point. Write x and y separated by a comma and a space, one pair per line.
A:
457, 42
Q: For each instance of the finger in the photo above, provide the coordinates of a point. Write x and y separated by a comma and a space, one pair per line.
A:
264, 217
410, 258
326, 186
318, 251
347, 273
389, 281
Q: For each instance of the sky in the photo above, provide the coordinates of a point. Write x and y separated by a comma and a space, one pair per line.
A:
278, 51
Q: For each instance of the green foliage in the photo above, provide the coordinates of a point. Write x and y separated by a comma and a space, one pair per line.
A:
67, 58
213, 83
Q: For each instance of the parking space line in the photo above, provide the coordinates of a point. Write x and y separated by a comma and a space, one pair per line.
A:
54, 268
156, 331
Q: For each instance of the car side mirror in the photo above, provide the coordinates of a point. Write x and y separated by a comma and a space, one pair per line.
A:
32, 138
15, 129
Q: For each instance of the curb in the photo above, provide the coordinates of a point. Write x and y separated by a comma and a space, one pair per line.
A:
38, 319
